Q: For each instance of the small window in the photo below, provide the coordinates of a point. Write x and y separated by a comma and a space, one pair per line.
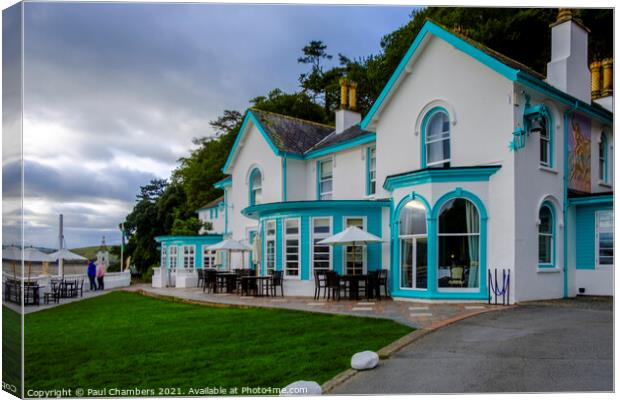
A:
542, 127
321, 254
189, 257
372, 170
291, 247
325, 175
545, 235
162, 262
208, 257
605, 238
270, 247
256, 187
173, 257
602, 158
437, 139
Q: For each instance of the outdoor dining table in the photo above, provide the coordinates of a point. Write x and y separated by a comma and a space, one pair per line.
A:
354, 284
262, 284
227, 279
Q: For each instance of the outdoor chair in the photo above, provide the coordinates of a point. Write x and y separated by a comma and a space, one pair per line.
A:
320, 282
373, 289
80, 287
31, 294
201, 277
457, 276
334, 285
277, 280
248, 286
383, 281
210, 281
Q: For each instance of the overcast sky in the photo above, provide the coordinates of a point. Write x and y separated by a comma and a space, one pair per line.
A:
114, 93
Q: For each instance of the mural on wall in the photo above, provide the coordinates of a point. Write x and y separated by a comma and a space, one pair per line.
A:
579, 153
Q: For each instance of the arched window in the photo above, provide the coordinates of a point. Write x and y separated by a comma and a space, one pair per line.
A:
546, 234
436, 129
256, 187
413, 245
603, 159
459, 245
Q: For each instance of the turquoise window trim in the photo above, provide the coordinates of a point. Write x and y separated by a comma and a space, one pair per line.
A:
372, 216
225, 212
432, 290
427, 117
554, 235
514, 75
396, 251
368, 166
436, 175
179, 242
318, 180
540, 111
251, 199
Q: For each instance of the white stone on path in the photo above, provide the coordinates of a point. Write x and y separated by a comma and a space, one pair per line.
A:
364, 360
302, 388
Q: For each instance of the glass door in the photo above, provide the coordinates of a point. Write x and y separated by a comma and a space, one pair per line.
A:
413, 262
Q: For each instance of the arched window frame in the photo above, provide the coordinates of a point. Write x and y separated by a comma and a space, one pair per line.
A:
553, 226
251, 188
423, 144
532, 117
603, 155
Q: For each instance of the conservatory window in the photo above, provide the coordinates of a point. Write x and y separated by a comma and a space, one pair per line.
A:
413, 238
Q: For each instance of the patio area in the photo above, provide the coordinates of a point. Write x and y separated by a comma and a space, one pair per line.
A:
419, 315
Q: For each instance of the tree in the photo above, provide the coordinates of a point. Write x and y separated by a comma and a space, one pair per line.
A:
297, 105
314, 53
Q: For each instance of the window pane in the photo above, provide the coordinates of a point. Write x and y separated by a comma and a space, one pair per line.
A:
546, 220
271, 228
438, 151
292, 227
326, 169
438, 126
459, 216
326, 186
605, 219
421, 257
359, 222
544, 249
458, 262
406, 263
413, 219
258, 196
544, 151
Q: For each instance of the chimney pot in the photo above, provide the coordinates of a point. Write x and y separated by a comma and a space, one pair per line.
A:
343, 93
608, 81
595, 70
352, 95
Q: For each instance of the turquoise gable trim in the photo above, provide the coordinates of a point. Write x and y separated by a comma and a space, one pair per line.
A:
358, 141
433, 175
432, 214
429, 28
515, 75
427, 117
223, 183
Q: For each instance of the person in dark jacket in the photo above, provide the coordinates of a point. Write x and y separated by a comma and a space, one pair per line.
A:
92, 274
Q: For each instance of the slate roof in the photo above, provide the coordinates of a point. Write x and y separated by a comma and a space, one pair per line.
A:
335, 138
291, 135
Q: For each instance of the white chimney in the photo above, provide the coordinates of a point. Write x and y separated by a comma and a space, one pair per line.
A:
346, 116
568, 69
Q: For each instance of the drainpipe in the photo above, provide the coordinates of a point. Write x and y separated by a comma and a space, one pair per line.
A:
567, 114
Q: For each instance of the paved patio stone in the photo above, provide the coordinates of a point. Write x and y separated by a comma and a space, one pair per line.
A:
418, 315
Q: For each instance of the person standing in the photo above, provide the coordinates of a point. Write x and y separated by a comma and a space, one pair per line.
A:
100, 275
92, 274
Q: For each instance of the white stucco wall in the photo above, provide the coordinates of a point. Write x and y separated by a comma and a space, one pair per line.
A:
296, 180
217, 223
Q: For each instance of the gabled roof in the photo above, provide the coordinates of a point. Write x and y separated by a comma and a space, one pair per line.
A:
212, 203
503, 65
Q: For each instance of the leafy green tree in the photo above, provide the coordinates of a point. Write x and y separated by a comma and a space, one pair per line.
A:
298, 105
314, 53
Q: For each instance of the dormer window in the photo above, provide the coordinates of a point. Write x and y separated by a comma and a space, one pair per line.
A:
256, 187
436, 129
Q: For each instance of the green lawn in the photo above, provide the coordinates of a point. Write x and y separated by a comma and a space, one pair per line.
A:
127, 340
11, 350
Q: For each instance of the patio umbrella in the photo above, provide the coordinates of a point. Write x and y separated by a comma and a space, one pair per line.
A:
256, 252
33, 255
12, 253
66, 255
229, 245
352, 236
